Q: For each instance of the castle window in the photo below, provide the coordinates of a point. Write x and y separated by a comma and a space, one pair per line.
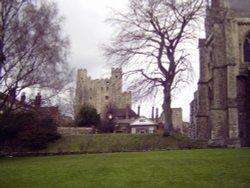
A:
102, 88
246, 48
107, 97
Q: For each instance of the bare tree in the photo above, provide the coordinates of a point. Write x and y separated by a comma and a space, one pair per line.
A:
33, 50
151, 42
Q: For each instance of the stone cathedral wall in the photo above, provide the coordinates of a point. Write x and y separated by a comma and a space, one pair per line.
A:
221, 107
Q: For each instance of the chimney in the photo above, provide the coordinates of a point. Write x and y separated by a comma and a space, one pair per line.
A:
38, 100
23, 98
152, 113
127, 111
156, 115
138, 110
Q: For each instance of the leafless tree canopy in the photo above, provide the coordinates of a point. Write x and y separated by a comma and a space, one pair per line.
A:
151, 42
33, 50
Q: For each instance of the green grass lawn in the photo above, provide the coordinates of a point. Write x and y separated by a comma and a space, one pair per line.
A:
207, 168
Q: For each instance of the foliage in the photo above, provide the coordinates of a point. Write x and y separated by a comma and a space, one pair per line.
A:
223, 168
87, 116
33, 50
107, 122
151, 43
106, 126
26, 131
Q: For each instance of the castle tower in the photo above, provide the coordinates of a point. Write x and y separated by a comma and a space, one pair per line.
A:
116, 85
81, 94
101, 93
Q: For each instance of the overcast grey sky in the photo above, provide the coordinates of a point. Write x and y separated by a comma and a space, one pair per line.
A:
85, 24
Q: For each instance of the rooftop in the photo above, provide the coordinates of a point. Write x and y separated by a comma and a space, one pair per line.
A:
142, 121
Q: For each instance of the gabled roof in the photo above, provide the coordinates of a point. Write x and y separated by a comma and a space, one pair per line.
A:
124, 121
121, 112
143, 121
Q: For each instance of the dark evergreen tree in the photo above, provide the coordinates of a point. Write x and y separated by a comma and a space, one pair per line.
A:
87, 116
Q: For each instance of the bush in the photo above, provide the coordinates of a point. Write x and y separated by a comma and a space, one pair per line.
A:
106, 126
26, 131
87, 116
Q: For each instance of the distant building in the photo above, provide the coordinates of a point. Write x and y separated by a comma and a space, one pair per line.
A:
35, 106
143, 125
220, 111
176, 118
140, 125
101, 93
122, 125
123, 113
122, 118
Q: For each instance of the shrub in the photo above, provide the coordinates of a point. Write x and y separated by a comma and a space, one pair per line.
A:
87, 116
106, 126
27, 131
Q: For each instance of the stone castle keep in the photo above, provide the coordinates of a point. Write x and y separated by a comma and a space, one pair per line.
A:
101, 92
220, 111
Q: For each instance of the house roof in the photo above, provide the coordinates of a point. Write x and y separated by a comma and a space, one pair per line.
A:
124, 121
142, 121
121, 112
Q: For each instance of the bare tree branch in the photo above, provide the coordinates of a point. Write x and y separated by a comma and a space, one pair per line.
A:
150, 44
33, 50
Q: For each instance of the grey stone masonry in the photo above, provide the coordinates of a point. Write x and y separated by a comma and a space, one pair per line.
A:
222, 113
101, 93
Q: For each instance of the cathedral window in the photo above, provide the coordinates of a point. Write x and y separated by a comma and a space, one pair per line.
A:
246, 49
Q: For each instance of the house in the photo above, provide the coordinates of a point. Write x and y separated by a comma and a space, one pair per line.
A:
35, 106
122, 118
123, 113
140, 125
143, 125
122, 125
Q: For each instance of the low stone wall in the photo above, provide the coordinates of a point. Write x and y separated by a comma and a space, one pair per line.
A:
73, 131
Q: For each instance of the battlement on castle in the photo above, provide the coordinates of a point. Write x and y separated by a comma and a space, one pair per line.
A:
101, 92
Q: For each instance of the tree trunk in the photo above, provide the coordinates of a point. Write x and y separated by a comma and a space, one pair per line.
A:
168, 125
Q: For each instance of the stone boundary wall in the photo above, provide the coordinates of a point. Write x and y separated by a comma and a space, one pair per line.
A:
74, 131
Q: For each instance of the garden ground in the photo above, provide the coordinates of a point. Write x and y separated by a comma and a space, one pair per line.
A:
203, 168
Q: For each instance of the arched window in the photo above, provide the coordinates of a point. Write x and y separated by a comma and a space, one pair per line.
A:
246, 49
